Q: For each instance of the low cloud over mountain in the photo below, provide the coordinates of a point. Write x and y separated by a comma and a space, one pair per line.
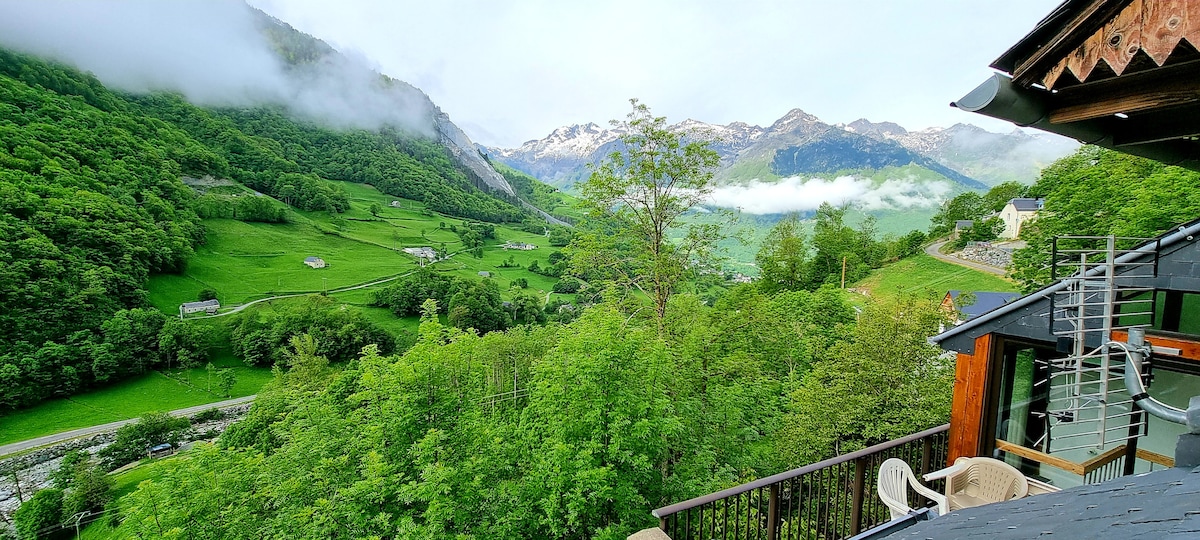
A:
798, 194
214, 52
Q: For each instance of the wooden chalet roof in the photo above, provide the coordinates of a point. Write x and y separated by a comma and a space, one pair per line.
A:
1123, 74
1093, 40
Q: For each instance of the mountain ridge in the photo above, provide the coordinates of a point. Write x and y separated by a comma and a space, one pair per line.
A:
959, 152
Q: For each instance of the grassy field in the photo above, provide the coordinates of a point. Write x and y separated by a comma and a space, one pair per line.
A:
925, 275
247, 261
128, 399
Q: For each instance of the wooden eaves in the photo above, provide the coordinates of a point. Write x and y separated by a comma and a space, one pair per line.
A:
1123, 74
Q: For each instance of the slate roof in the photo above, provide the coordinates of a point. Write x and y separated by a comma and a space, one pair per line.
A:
1162, 504
1026, 205
984, 302
312, 259
964, 224
1028, 316
204, 304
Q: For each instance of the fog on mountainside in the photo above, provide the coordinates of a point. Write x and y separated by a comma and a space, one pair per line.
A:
799, 194
214, 53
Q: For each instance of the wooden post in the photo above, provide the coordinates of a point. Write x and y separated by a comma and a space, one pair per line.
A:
843, 271
860, 474
1135, 421
773, 513
17, 484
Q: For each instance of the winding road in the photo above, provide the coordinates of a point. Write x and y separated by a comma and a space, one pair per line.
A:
38, 442
238, 308
933, 250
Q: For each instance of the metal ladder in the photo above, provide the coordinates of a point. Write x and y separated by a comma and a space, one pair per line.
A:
1087, 407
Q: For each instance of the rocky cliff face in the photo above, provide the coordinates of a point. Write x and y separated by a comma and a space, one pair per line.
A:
370, 99
463, 150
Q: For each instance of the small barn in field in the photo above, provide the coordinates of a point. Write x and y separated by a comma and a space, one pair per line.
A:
208, 306
315, 262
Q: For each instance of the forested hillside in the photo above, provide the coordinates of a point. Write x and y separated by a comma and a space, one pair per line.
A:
93, 204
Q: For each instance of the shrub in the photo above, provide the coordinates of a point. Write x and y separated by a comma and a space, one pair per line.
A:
133, 440
567, 285
208, 415
42, 511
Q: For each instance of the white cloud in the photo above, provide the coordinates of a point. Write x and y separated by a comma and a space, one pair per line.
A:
210, 51
523, 68
798, 194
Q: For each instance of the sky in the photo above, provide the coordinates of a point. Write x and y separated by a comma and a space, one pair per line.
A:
511, 71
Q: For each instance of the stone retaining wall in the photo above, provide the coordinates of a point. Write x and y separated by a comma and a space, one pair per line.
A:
991, 256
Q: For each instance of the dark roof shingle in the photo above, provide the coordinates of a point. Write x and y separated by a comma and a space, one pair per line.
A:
1161, 504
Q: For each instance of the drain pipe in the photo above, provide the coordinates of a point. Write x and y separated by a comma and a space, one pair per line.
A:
1187, 448
1135, 351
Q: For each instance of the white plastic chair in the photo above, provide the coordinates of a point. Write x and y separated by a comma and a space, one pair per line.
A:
895, 476
980, 480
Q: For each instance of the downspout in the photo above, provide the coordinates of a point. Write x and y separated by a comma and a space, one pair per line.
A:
1135, 351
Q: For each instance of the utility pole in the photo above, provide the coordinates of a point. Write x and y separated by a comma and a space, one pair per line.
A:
843, 271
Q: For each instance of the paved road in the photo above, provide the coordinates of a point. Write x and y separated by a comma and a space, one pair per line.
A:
83, 432
933, 251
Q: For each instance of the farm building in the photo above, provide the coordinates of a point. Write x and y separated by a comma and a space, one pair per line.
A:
315, 262
485, 273
1017, 212
422, 253
519, 245
208, 306
161, 450
962, 225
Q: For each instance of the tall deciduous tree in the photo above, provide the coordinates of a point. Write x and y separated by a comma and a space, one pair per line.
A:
640, 192
783, 257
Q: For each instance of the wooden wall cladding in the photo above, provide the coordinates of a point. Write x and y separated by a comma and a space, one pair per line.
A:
968, 407
1154, 27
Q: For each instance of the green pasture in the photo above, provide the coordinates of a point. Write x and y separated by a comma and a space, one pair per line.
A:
248, 261
131, 398
925, 275
245, 261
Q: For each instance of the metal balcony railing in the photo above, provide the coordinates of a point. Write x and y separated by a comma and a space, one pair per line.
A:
831, 499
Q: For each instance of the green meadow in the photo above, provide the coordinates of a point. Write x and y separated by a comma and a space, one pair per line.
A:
249, 261
925, 275
243, 262
131, 398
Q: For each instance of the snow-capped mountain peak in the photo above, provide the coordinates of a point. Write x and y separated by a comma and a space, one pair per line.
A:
795, 119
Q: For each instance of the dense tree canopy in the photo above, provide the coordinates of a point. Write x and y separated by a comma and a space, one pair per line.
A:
569, 431
1101, 192
263, 337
